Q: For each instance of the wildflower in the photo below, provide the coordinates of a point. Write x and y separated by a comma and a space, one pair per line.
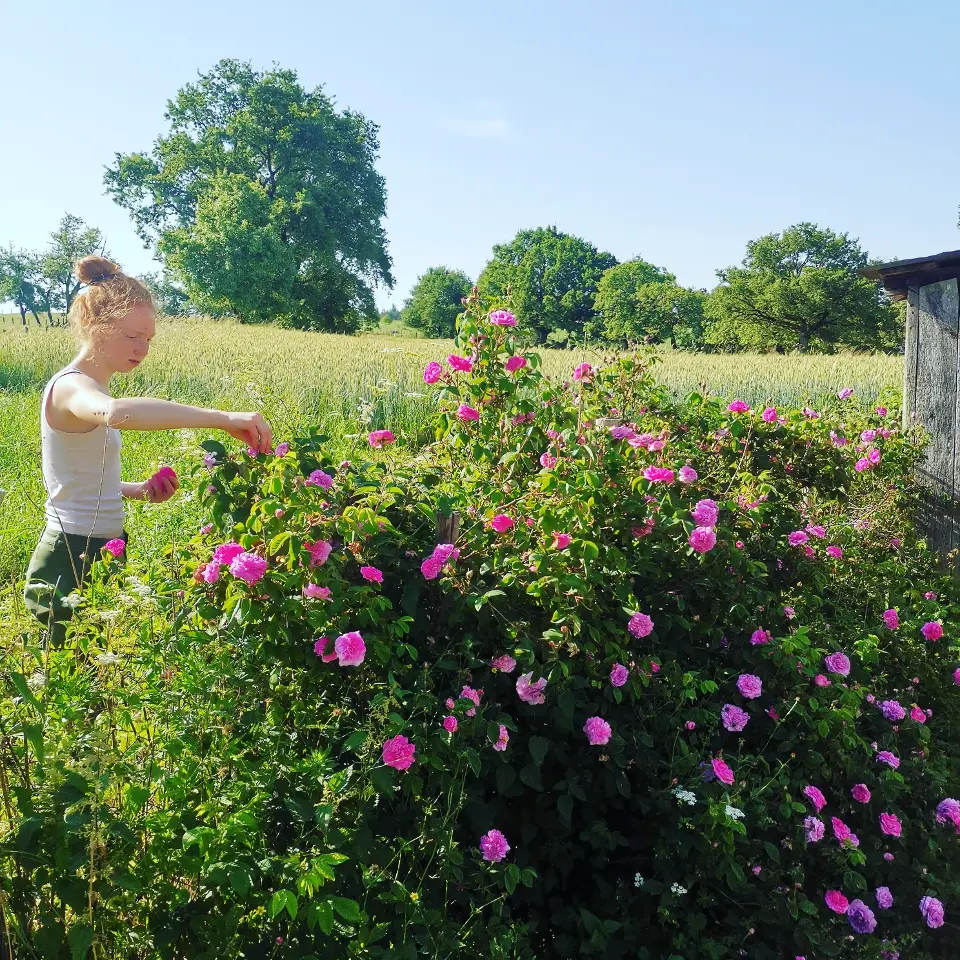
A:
690, 725
789, 613
734, 719
513, 364
619, 675
891, 620
494, 846
450, 724
210, 461
838, 663
816, 797
465, 412
760, 636
814, 829
810, 414
380, 438
835, 552
845, 393
932, 631
468, 693
312, 592
797, 538
868, 436
860, 793
861, 917
399, 753
678, 890
749, 685
432, 372
504, 663
687, 474
548, 461
561, 541
502, 740
873, 456
706, 513
115, 547
738, 406
320, 479
890, 759
890, 825
821, 681
722, 771
248, 567
884, 898
836, 901
640, 625
581, 371
881, 411
350, 649
769, 415
892, 710
503, 318
531, 692
658, 475
931, 909
597, 730
702, 539
862, 464
733, 813
463, 364
502, 522
372, 574
929, 595
685, 796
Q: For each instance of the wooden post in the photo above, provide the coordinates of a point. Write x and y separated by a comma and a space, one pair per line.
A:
448, 528
930, 399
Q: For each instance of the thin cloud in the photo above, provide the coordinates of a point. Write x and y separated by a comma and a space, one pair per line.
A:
485, 124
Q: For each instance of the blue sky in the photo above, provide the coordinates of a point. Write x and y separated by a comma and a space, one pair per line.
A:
673, 130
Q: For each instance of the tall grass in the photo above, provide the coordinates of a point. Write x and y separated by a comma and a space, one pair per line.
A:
338, 383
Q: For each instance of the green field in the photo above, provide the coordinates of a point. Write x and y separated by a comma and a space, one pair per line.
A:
337, 382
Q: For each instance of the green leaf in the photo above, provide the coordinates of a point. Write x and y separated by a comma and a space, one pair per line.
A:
283, 900
80, 937
590, 550
473, 758
505, 777
565, 806
240, 880
348, 909
355, 739
382, 780
34, 734
18, 680
772, 852
511, 877
324, 914
538, 749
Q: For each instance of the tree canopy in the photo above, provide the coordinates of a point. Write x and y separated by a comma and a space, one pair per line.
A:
436, 300
263, 200
638, 301
550, 278
799, 288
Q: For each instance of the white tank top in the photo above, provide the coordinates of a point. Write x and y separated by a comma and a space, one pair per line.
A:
81, 474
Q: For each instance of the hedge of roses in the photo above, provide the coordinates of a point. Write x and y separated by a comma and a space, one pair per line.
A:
595, 673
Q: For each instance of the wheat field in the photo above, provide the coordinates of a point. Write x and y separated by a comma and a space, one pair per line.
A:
342, 384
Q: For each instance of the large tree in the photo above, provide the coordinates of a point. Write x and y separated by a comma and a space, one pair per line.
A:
71, 241
800, 288
435, 301
639, 301
549, 278
19, 275
263, 200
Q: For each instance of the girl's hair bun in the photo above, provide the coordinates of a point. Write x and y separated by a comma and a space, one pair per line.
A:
95, 269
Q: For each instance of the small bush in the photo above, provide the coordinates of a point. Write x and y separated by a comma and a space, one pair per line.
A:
588, 725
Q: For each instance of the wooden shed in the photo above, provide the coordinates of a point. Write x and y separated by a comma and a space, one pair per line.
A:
931, 391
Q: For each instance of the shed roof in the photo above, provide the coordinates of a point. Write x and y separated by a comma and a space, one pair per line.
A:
898, 275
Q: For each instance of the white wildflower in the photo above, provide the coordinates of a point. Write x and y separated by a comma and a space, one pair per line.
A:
638, 880
73, 601
107, 659
685, 796
37, 680
733, 813
678, 890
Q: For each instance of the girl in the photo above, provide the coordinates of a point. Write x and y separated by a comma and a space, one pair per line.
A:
80, 424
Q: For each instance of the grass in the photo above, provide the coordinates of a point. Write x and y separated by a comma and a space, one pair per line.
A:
300, 379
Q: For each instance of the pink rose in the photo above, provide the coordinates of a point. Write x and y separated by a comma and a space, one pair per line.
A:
380, 438
432, 372
319, 551
531, 692
350, 649
502, 522
320, 479
450, 724
115, 547
398, 752
503, 318
583, 370
598, 731
504, 663
703, 539
561, 541
658, 475
891, 620
494, 846
722, 771
640, 625
312, 592
248, 567
738, 406
465, 412
769, 415
836, 901
932, 631
320, 649
749, 685
619, 675
687, 475
463, 364
372, 574
860, 793
515, 363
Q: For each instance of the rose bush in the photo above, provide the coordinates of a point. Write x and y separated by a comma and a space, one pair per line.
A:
595, 673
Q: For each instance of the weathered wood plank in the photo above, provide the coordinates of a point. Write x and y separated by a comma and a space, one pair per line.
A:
910, 359
935, 403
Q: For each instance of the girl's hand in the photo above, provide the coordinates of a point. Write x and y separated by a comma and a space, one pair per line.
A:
251, 429
161, 486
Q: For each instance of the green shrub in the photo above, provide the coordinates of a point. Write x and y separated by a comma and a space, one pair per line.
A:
209, 786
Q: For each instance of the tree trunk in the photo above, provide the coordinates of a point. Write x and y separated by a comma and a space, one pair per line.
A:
23, 315
804, 340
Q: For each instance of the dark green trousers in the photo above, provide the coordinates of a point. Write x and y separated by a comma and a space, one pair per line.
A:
59, 566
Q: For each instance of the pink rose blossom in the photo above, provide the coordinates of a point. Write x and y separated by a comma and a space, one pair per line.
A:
760, 636
929, 595
465, 412
838, 663
931, 909
115, 547
513, 364
705, 513
890, 619
884, 898
690, 725
738, 406
658, 475
319, 551
845, 393
561, 541
619, 675
399, 753
320, 479
814, 829
432, 372
892, 710
225, 553
703, 539
463, 364
450, 724
917, 714
797, 538
468, 693
504, 663
548, 461
431, 568
503, 318
836, 901
531, 692
380, 438
598, 731
890, 825
835, 552
502, 522
372, 574
789, 612
320, 649
350, 649
687, 474
890, 759
840, 830
815, 530
862, 464
312, 592
932, 631
816, 797
581, 371
769, 415
860, 793
248, 567
749, 685
734, 719
722, 771
640, 625
494, 846
210, 572
502, 740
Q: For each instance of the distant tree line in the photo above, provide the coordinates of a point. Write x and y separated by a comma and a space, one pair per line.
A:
262, 202
795, 290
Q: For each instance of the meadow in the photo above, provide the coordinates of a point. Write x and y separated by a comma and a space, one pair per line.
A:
345, 385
